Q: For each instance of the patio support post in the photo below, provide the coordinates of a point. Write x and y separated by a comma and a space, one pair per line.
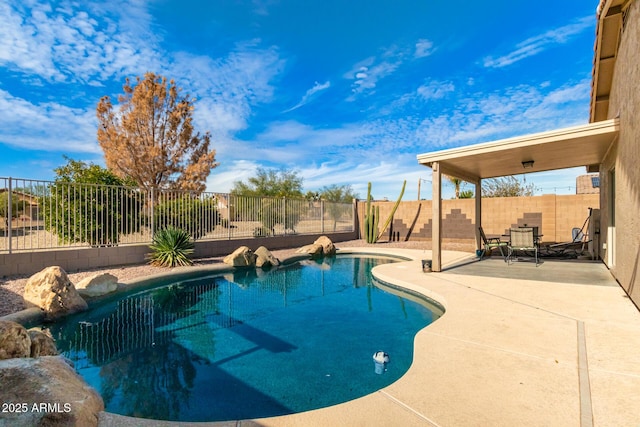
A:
436, 222
478, 213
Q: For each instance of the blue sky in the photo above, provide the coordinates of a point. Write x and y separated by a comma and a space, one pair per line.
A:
344, 92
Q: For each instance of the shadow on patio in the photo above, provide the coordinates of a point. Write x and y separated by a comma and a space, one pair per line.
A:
549, 270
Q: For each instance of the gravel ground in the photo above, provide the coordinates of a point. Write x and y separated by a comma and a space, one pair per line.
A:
12, 288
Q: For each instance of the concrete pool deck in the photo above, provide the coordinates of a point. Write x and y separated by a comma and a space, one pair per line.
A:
525, 345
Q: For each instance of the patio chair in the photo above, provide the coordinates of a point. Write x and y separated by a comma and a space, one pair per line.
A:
522, 239
574, 248
492, 243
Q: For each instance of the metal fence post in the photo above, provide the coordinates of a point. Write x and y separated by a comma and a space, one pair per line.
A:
284, 215
9, 216
322, 216
354, 216
153, 225
230, 202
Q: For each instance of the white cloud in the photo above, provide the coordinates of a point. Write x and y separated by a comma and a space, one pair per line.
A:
386, 176
366, 74
534, 45
346, 154
223, 177
388, 172
228, 87
317, 87
560, 105
47, 126
97, 43
69, 44
424, 48
434, 89
261, 7
509, 112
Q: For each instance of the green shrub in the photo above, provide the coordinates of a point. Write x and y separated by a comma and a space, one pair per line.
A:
88, 203
261, 232
171, 247
194, 215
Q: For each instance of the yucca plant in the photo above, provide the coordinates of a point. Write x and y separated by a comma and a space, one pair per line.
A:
171, 247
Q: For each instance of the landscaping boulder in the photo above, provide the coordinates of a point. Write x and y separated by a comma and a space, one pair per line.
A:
241, 257
54, 393
51, 290
97, 285
14, 341
328, 248
314, 250
42, 344
264, 258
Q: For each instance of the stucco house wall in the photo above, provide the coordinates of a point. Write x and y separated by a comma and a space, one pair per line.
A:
620, 171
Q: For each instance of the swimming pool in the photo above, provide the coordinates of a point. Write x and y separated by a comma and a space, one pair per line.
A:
248, 344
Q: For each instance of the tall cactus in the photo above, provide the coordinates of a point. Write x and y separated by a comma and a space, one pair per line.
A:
370, 219
374, 228
393, 211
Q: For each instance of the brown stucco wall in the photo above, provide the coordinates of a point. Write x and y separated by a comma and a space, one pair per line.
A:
554, 215
624, 159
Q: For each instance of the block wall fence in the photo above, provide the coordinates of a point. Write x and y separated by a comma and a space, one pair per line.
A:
73, 260
555, 215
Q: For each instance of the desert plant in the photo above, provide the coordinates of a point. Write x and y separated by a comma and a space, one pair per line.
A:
171, 247
150, 136
393, 211
88, 203
466, 194
16, 207
197, 215
261, 232
372, 217
341, 198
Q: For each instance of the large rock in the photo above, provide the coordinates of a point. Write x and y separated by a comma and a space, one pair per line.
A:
42, 344
328, 248
52, 291
54, 394
241, 257
314, 250
97, 285
264, 258
14, 341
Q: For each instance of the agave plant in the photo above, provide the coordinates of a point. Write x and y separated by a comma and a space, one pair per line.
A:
171, 247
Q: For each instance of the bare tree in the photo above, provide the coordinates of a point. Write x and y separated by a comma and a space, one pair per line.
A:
507, 186
150, 138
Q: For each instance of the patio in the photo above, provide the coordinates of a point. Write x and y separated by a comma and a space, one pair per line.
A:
580, 272
517, 345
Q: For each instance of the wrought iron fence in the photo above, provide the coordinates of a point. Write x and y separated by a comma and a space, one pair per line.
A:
40, 215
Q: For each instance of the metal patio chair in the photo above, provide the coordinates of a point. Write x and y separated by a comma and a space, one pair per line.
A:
491, 243
522, 239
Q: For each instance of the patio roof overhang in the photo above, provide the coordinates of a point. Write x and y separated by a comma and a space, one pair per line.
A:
608, 30
583, 145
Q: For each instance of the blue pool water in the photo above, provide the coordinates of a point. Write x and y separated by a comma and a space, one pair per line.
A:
247, 344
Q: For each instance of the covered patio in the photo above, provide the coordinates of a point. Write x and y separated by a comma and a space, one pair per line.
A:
584, 145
